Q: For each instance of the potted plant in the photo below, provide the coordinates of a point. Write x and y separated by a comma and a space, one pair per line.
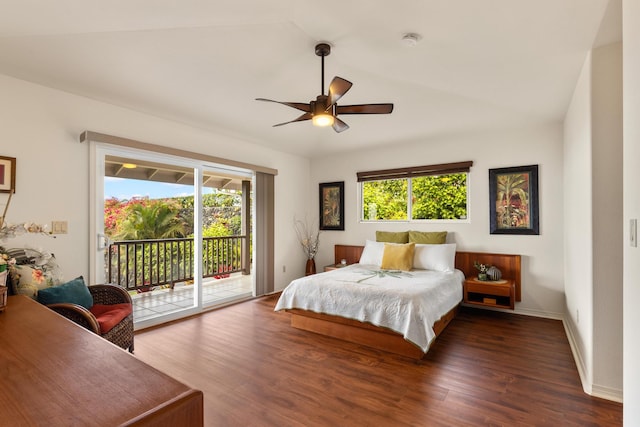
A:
482, 270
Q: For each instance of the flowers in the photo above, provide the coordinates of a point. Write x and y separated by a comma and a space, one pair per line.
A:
482, 268
8, 231
37, 276
308, 238
6, 262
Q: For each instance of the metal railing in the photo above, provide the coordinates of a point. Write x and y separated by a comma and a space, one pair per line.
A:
144, 264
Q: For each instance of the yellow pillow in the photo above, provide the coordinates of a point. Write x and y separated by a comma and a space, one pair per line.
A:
392, 236
398, 256
428, 237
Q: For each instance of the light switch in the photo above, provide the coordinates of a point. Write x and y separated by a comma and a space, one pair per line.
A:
58, 227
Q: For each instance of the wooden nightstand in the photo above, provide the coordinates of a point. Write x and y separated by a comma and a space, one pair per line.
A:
500, 294
333, 266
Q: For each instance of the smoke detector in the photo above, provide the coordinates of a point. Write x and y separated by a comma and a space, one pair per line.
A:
410, 39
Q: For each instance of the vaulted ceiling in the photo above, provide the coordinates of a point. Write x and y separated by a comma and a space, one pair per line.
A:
479, 65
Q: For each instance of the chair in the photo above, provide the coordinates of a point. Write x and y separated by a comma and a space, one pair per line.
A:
109, 306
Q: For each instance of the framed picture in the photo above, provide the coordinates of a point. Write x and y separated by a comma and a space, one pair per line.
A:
513, 200
7, 174
332, 206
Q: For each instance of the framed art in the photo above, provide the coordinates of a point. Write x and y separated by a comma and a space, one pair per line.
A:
7, 174
513, 200
332, 206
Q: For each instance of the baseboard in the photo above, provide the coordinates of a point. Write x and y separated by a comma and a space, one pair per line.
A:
538, 313
607, 393
591, 389
577, 357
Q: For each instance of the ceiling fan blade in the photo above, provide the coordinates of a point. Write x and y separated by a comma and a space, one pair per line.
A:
339, 125
297, 105
305, 116
337, 88
364, 109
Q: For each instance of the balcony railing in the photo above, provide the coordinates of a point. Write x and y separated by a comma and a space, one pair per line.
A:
144, 264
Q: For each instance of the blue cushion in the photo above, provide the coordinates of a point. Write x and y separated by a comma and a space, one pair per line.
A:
74, 291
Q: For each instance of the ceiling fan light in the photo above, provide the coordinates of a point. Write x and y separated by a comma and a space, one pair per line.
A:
322, 120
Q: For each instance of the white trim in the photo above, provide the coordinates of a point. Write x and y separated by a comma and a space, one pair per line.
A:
607, 393
591, 389
577, 357
409, 220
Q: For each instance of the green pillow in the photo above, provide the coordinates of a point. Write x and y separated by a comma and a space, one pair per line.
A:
392, 236
428, 237
74, 291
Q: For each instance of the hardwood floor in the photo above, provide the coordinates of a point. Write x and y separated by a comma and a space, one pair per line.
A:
486, 368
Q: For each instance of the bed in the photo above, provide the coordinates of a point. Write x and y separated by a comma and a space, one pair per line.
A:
401, 312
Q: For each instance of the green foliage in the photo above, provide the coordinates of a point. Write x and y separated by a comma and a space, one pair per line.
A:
433, 197
222, 199
156, 220
223, 208
216, 229
385, 200
439, 197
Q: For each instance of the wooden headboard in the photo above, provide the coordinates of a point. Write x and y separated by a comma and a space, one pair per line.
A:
509, 265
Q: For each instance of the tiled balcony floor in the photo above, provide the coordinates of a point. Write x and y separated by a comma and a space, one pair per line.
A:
149, 305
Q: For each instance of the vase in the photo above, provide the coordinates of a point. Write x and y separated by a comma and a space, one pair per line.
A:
494, 274
311, 267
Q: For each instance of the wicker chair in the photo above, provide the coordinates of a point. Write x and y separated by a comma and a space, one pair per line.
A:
121, 334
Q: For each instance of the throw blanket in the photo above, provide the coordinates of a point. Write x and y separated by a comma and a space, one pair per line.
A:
406, 302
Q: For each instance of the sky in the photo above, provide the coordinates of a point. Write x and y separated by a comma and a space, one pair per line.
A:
128, 188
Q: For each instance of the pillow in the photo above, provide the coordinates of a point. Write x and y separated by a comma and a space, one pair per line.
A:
428, 237
372, 253
392, 236
29, 280
441, 257
74, 291
109, 315
398, 256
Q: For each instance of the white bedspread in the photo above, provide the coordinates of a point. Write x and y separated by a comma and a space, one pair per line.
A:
406, 302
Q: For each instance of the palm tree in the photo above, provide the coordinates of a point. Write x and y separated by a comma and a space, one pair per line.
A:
153, 221
512, 204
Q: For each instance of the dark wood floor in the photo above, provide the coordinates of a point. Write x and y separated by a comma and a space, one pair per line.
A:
487, 368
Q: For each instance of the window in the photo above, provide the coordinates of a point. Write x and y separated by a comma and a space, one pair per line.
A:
436, 192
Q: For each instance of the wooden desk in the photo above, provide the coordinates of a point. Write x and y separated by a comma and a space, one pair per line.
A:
56, 373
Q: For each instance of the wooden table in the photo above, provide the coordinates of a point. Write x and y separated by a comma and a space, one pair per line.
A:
56, 373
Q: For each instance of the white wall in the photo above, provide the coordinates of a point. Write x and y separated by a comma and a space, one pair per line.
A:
607, 210
578, 244
594, 238
631, 178
40, 127
542, 282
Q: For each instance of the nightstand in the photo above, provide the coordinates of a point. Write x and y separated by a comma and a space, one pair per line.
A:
499, 293
333, 266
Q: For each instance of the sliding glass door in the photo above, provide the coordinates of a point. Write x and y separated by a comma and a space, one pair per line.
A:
170, 232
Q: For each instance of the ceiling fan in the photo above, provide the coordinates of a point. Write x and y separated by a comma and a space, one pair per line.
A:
324, 111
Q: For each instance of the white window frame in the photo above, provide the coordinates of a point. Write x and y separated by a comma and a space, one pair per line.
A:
410, 206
